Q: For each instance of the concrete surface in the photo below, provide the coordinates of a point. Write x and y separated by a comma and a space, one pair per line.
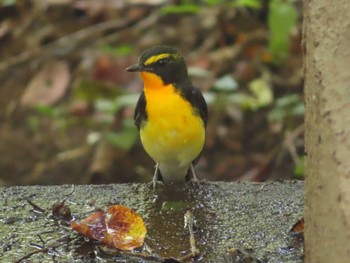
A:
235, 222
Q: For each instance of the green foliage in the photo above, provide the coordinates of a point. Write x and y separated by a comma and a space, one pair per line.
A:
110, 106
192, 7
33, 122
262, 92
61, 119
126, 138
249, 3
282, 18
106, 108
180, 9
299, 170
8, 2
58, 115
286, 107
49, 111
90, 91
117, 51
174, 205
212, 2
260, 95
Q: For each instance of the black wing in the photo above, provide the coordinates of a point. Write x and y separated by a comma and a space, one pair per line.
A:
202, 105
140, 114
195, 97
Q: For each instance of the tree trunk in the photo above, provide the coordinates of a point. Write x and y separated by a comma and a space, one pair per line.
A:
327, 92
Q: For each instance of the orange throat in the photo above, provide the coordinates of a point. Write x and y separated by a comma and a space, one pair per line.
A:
151, 81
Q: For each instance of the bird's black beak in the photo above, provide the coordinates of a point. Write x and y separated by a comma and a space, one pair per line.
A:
135, 68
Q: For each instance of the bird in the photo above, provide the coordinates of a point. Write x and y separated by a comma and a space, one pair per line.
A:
171, 114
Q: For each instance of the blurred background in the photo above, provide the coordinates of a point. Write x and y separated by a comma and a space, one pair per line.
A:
66, 102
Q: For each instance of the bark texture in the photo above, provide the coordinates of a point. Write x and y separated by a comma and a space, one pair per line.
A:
327, 92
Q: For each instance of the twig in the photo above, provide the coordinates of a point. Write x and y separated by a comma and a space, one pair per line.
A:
228, 54
290, 145
72, 190
41, 239
73, 153
140, 26
70, 43
41, 250
147, 255
56, 244
189, 223
36, 207
293, 81
258, 174
60, 157
255, 174
143, 256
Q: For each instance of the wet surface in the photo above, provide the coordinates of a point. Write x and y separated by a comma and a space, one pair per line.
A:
235, 222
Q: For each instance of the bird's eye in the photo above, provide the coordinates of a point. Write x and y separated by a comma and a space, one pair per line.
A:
161, 62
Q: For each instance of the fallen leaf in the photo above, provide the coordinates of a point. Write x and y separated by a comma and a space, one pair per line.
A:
48, 85
60, 209
93, 226
298, 227
119, 227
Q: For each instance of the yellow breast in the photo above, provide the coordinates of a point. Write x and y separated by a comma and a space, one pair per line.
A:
173, 134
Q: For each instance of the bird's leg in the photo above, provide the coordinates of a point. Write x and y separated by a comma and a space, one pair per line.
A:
191, 175
157, 177
194, 177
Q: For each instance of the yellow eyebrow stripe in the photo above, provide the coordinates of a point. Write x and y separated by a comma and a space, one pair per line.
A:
156, 58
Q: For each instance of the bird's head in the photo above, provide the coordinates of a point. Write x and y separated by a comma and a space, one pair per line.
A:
165, 62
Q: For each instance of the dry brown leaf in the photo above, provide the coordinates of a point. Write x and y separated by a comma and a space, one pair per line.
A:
48, 85
298, 227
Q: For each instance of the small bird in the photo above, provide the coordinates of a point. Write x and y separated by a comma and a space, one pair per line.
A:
171, 114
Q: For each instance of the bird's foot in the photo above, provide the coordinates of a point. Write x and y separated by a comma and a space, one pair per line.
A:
157, 178
156, 183
191, 177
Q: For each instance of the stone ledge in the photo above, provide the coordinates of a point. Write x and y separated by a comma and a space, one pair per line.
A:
253, 217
